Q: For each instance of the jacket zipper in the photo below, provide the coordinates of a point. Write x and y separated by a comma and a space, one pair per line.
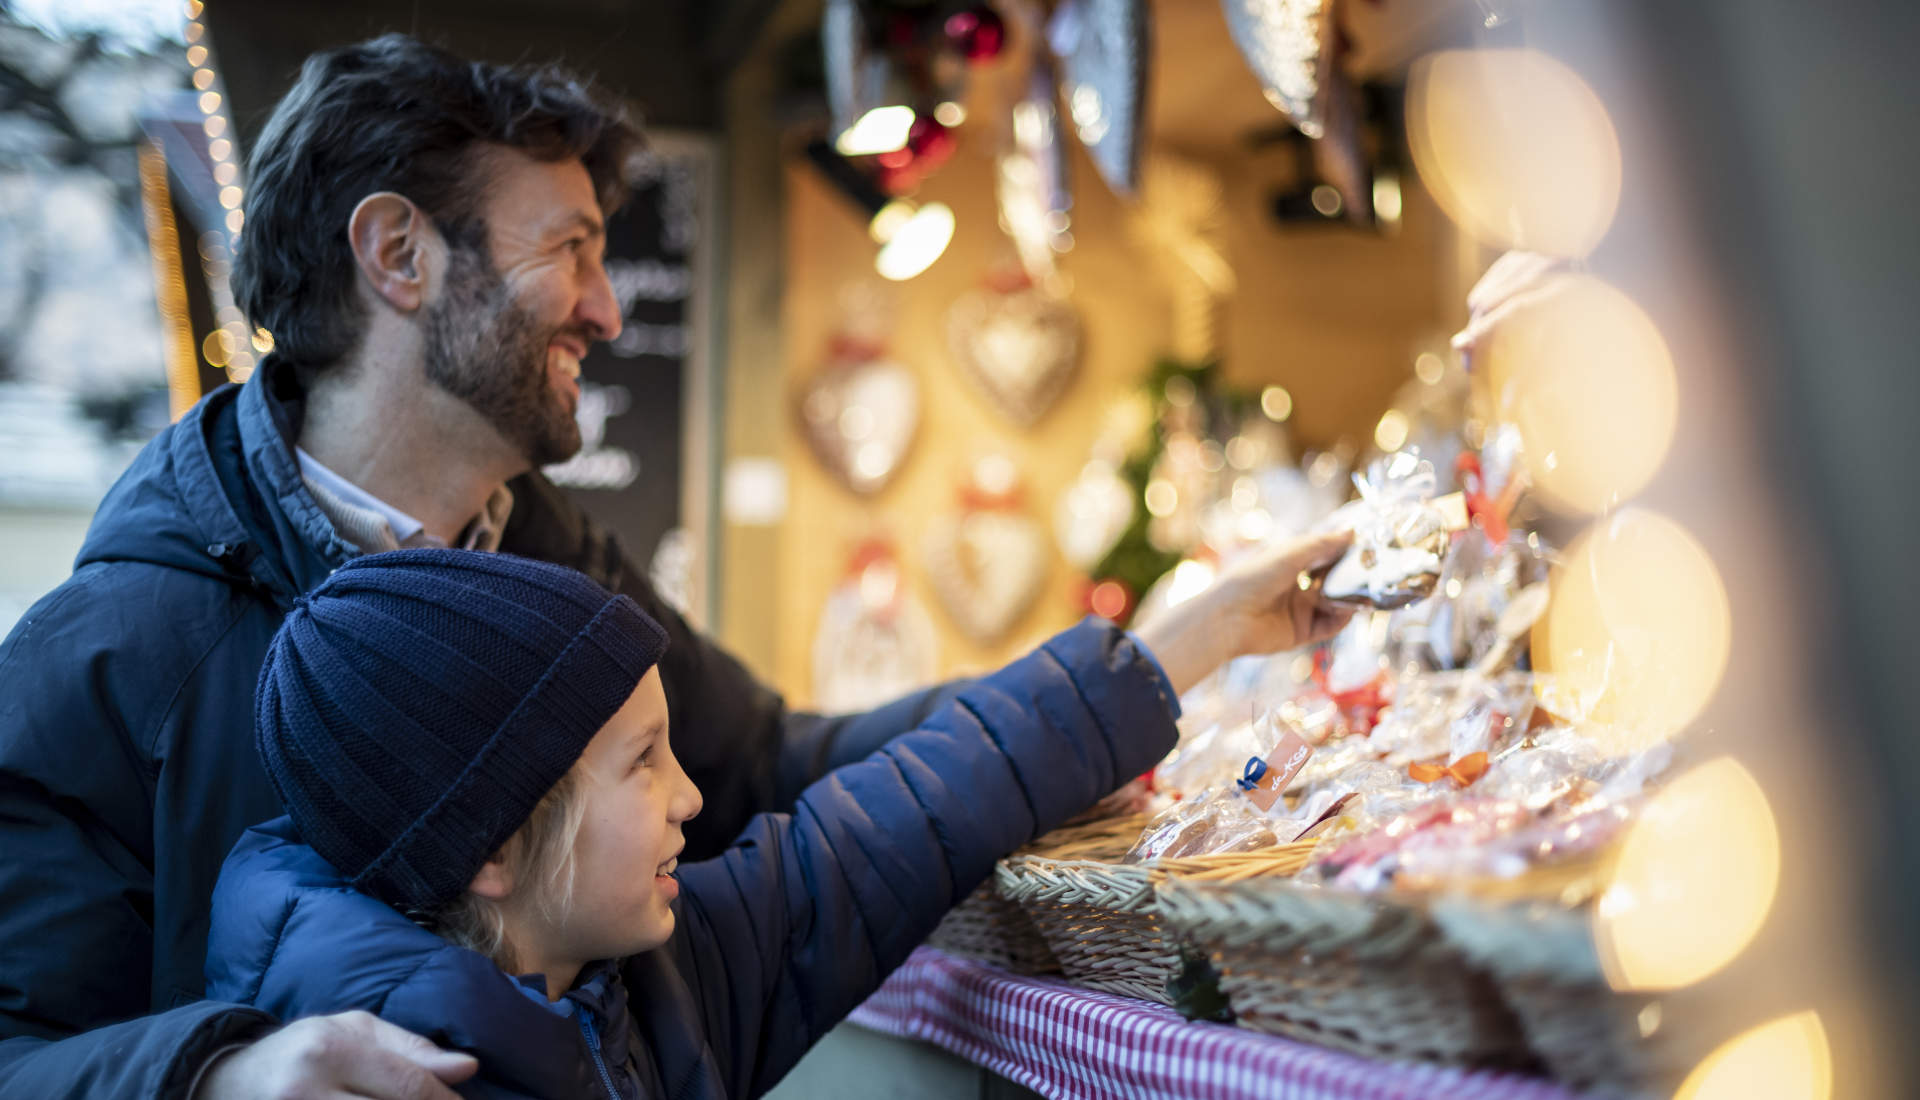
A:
593, 1048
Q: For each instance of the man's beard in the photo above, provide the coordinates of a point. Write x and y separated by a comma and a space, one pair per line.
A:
490, 352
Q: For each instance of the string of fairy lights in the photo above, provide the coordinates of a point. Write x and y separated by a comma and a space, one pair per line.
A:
233, 345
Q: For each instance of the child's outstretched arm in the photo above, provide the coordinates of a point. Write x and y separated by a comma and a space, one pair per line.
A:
805, 916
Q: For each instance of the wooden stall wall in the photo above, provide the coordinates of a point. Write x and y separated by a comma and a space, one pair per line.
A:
1336, 315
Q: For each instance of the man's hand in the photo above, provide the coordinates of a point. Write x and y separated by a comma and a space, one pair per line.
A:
353, 1054
1258, 606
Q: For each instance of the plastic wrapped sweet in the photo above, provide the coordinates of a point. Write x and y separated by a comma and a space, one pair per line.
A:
1219, 819
1400, 536
1551, 797
1475, 611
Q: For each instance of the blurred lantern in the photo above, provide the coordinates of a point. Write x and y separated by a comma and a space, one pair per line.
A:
1515, 147
1787, 1058
1638, 632
1694, 882
977, 33
1587, 378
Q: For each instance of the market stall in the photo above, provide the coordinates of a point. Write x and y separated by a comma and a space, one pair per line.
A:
1479, 832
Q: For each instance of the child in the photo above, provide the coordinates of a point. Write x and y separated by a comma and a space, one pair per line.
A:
484, 817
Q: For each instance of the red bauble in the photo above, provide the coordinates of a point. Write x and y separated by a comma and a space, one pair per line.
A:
930, 142
978, 33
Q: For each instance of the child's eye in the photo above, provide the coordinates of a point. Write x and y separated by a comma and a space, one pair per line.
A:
646, 758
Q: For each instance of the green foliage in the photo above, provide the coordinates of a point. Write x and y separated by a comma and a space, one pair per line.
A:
1134, 561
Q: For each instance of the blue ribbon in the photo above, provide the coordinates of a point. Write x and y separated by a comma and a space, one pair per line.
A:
1256, 768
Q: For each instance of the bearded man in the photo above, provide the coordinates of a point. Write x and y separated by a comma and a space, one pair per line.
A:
423, 236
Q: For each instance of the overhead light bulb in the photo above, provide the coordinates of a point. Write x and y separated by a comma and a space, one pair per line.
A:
910, 236
916, 244
881, 130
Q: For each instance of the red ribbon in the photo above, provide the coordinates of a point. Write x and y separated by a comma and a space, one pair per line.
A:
1361, 705
1490, 511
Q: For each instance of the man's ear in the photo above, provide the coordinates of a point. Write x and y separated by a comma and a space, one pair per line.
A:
393, 243
493, 881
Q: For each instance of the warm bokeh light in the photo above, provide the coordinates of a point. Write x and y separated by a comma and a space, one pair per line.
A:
1695, 879
1638, 631
880, 130
1586, 377
1784, 1059
1190, 578
1276, 402
913, 247
1391, 433
1515, 147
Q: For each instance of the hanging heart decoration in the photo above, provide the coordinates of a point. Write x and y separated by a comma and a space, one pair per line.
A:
1019, 344
875, 642
988, 559
1092, 514
1103, 46
859, 413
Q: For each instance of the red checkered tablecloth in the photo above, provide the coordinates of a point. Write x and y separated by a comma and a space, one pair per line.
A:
1070, 1043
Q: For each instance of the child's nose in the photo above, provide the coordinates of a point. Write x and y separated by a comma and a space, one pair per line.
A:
688, 802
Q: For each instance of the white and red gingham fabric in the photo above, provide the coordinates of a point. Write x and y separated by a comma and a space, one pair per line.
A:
1069, 1043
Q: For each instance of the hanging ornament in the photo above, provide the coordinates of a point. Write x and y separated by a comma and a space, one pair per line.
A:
1035, 205
1104, 46
875, 642
1283, 42
977, 33
1294, 48
1091, 515
859, 78
1018, 343
987, 560
859, 413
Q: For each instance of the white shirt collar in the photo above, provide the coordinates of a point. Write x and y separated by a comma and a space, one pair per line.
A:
403, 525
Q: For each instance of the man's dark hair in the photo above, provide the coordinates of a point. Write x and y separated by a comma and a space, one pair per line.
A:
395, 114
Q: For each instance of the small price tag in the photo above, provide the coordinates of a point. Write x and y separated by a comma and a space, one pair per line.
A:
1265, 779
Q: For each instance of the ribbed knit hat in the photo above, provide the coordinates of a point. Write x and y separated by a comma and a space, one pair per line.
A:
416, 706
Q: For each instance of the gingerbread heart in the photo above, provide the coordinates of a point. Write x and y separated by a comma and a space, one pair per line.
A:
987, 567
1020, 346
860, 418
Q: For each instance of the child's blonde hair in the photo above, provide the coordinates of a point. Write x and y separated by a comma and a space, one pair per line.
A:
539, 860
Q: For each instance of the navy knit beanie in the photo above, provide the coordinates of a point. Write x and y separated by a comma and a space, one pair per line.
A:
416, 706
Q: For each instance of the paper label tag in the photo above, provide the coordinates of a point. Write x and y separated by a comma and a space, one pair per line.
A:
1264, 780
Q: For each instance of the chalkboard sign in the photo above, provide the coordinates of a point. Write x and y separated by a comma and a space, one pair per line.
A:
645, 415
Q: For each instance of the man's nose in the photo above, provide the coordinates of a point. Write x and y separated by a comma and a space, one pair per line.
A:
598, 308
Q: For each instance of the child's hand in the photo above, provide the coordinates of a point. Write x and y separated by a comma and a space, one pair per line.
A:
352, 1054
1258, 606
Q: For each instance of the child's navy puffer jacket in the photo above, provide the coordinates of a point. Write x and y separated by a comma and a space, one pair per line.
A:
775, 941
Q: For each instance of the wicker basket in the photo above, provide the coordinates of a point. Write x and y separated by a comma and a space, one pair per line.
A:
1363, 973
1542, 956
1102, 918
994, 930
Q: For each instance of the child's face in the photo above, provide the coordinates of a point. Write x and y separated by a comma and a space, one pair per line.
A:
635, 799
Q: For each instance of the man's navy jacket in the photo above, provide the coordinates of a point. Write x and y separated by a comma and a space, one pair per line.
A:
127, 767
